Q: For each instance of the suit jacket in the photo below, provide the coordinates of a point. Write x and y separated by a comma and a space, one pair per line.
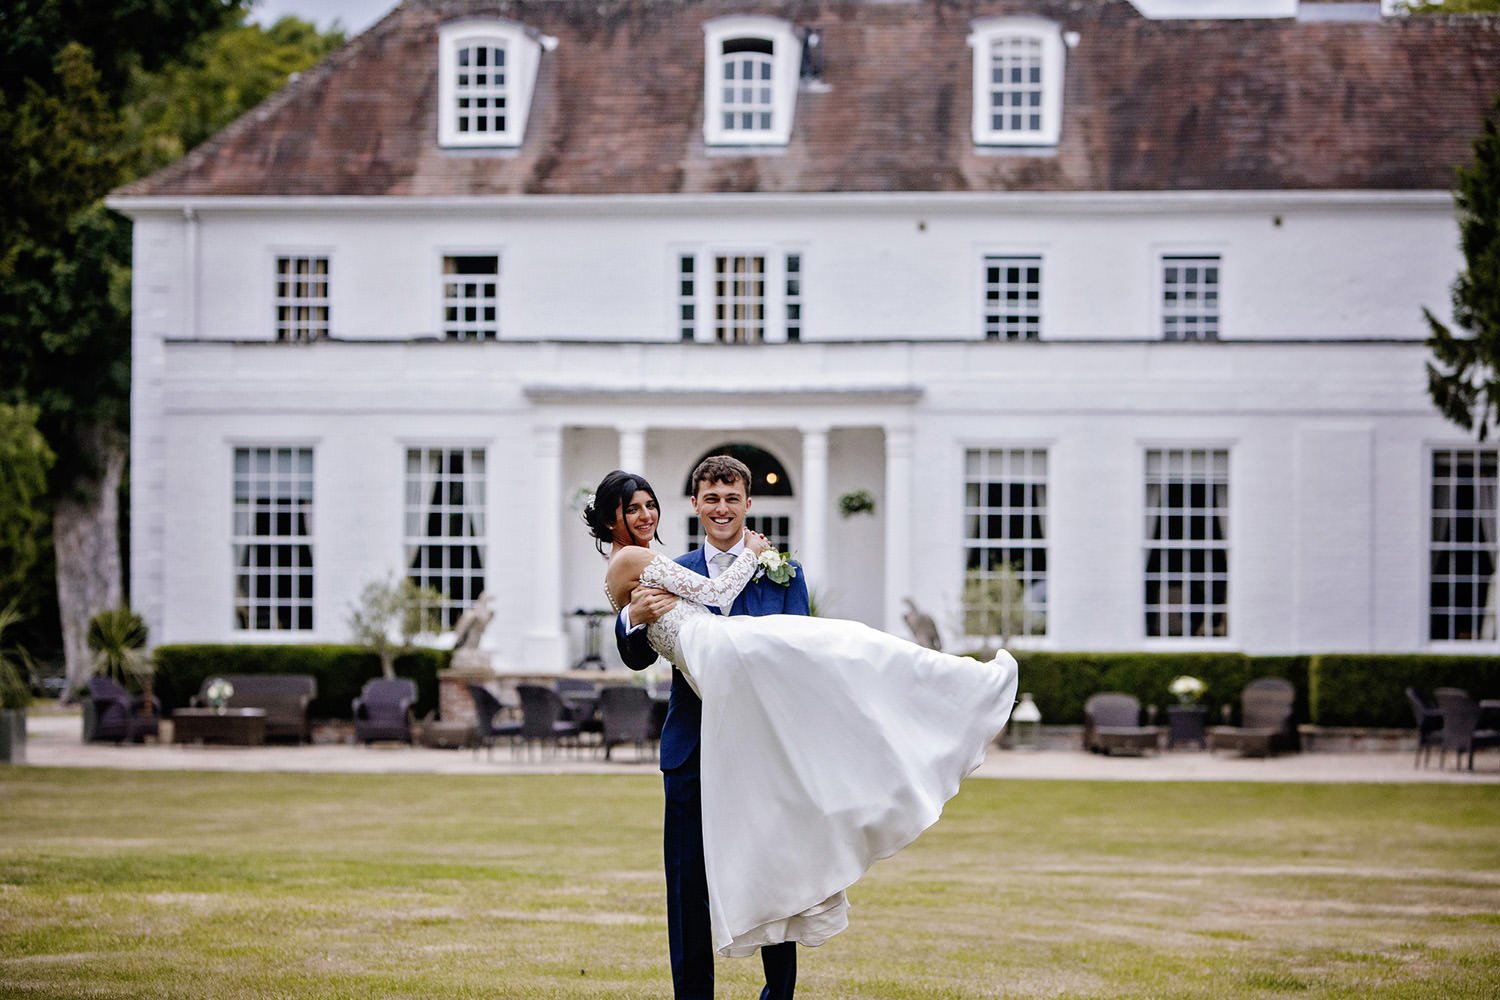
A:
679, 733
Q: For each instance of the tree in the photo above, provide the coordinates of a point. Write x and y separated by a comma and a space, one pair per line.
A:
994, 604
1453, 7
389, 617
1463, 379
95, 94
24, 461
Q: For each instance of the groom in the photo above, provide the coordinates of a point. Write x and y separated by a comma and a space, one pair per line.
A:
721, 498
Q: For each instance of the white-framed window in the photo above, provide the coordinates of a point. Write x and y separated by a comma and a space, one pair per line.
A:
1462, 546
793, 298
1005, 542
486, 74
1018, 79
471, 296
1190, 296
738, 295
445, 525
273, 539
687, 296
301, 303
1187, 542
739, 298
1012, 297
749, 81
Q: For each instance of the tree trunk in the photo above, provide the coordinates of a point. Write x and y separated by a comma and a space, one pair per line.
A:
86, 540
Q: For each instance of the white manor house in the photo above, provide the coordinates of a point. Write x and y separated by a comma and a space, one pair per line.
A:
1115, 305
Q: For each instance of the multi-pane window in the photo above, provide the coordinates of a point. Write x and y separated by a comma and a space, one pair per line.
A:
479, 89
1187, 542
301, 298
746, 70
1190, 297
445, 525
739, 299
272, 539
1005, 542
1015, 91
1463, 544
793, 296
1012, 298
687, 296
776, 527
470, 297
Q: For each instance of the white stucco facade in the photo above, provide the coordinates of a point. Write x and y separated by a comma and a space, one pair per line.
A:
1315, 390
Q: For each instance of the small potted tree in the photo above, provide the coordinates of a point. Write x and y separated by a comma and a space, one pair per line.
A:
15, 695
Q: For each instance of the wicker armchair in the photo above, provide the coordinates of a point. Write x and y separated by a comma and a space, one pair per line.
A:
626, 713
118, 714
488, 725
544, 717
1461, 732
1111, 723
1429, 720
383, 710
1267, 725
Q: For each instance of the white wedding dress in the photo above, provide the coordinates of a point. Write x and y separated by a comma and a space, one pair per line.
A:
826, 745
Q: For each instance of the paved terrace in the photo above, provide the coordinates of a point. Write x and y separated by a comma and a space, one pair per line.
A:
54, 740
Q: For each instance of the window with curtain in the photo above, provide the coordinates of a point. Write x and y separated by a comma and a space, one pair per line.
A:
301, 298
445, 525
1005, 542
1187, 543
1462, 547
272, 539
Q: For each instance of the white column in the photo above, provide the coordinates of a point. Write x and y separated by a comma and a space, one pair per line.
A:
545, 646
814, 549
633, 450
898, 525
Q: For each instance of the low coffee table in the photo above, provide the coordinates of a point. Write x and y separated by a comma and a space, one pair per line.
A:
242, 726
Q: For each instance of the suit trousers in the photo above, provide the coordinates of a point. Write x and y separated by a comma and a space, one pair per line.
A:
688, 927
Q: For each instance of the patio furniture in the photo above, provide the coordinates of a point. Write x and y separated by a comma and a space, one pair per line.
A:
1429, 720
1111, 723
488, 725
626, 716
284, 698
1266, 716
1461, 730
383, 710
1185, 724
581, 703
543, 717
239, 726
118, 714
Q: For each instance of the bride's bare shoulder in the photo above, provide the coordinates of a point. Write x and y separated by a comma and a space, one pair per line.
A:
628, 562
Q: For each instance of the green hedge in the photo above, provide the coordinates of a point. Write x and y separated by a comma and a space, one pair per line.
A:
1365, 689
1061, 682
341, 671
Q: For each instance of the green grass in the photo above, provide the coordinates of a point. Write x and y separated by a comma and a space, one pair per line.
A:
120, 884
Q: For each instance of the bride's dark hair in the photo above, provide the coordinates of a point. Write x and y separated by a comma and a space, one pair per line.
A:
614, 492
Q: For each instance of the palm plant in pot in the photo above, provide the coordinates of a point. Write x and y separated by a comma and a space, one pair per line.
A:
117, 640
15, 695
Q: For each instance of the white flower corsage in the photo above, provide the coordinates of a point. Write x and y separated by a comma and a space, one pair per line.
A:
777, 566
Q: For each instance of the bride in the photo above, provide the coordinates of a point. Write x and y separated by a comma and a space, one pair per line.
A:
826, 744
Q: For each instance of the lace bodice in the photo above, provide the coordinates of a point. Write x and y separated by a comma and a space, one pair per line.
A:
697, 591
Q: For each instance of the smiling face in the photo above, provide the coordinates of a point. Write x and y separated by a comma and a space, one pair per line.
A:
635, 524
722, 508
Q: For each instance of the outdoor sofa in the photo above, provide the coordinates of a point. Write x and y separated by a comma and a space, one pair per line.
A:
283, 697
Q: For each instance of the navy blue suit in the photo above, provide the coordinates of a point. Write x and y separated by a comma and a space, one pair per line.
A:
688, 929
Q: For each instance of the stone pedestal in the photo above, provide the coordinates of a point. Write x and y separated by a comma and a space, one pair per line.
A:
469, 666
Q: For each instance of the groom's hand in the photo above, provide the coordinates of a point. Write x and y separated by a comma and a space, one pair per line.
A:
647, 604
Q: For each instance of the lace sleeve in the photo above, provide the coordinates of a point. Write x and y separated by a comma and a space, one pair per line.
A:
683, 582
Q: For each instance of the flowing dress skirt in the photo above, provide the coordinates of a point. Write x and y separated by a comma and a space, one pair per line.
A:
826, 745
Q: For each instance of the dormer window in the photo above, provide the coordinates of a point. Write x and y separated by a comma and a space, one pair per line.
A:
486, 74
750, 81
1018, 74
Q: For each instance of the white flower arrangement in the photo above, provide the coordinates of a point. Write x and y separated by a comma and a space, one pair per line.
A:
777, 566
1187, 690
219, 692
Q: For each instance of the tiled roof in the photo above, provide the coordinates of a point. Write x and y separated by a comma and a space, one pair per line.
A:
1147, 105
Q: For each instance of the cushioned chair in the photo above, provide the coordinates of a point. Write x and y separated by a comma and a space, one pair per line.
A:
119, 715
383, 710
1429, 720
1111, 723
626, 713
1267, 725
1461, 732
580, 703
488, 724
544, 717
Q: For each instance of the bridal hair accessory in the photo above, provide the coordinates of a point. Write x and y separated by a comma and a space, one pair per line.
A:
777, 566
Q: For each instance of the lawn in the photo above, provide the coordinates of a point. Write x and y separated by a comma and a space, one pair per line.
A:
117, 884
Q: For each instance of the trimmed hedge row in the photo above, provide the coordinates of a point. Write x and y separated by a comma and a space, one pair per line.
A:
341, 671
1366, 689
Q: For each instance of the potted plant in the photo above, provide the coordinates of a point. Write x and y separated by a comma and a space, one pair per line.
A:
856, 502
117, 639
15, 695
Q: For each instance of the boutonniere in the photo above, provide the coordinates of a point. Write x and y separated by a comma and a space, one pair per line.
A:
777, 566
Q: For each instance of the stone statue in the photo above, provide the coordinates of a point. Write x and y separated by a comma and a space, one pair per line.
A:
469, 630
924, 630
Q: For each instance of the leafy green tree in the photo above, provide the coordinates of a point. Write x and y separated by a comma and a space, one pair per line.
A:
24, 461
391, 614
1462, 377
1454, 7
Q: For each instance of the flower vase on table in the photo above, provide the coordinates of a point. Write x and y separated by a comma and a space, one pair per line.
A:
218, 694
